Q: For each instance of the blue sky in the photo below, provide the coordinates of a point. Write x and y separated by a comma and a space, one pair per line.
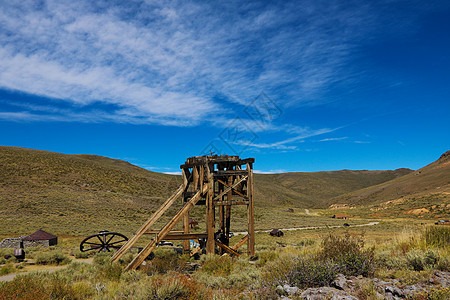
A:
299, 85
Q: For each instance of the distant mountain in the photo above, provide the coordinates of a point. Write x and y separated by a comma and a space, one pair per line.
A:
425, 191
315, 189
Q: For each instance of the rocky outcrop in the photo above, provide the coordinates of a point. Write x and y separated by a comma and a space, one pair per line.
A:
349, 288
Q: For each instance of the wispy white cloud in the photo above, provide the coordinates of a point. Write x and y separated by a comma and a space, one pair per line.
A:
270, 171
161, 62
301, 134
333, 139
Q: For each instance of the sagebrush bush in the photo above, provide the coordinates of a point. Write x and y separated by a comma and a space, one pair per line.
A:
313, 273
24, 287
388, 259
444, 264
431, 257
102, 258
6, 269
165, 260
51, 258
349, 254
217, 265
78, 254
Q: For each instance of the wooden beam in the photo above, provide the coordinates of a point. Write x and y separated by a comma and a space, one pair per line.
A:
228, 210
210, 222
250, 212
156, 215
152, 231
234, 191
230, 187
195, 177
196, 250
185, 236
232, 202
186, 243
230, 172
242, 242
137, 261
227, 249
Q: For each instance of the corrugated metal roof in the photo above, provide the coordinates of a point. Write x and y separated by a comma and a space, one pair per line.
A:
40, 235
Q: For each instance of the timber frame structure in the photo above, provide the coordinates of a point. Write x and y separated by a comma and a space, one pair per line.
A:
214, 181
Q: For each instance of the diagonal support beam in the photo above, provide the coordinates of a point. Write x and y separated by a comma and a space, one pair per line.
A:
227, 249
156, 215
137, 261
242, 242
230, 188
236, 191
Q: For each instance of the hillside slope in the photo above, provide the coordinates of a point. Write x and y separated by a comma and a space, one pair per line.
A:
69, 192
315, 189
425, 191
78, 194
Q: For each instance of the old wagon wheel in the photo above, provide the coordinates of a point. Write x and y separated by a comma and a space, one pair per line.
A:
103, 241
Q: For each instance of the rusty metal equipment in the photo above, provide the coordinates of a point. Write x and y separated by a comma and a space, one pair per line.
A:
103, 241
215, 181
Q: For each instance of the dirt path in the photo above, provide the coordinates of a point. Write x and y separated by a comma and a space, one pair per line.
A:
314, 227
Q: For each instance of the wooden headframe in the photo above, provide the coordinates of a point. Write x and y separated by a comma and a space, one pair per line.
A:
214, 181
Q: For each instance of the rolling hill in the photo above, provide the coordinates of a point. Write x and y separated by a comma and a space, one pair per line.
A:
425, 192
78, 194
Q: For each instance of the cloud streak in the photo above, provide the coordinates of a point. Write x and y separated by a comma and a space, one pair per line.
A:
165, 63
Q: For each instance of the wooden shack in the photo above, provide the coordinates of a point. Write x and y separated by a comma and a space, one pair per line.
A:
40, 238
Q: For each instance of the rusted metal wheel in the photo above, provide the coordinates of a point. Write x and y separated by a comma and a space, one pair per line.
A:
103, 241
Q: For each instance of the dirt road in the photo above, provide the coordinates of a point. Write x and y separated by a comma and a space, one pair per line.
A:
313, 227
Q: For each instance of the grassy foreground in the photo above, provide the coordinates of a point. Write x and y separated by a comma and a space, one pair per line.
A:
304, 258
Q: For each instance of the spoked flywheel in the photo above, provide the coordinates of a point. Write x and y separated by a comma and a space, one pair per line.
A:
103, 241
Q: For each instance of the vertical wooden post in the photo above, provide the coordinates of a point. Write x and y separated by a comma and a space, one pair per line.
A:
250, 209
228, 209
210, 222
221, 210
195, 178
186, 244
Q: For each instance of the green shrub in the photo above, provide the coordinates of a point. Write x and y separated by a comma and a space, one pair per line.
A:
6, 269
431, 257
437, 236
444, 264
416, 259
390, 260
110, 271
218, 265
78, 254
312, 273
165, 260
24, 287
349, 254
51, 258
102, 258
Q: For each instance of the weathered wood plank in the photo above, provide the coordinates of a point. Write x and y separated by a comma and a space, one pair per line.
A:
210, 222
227, 249
250, 209
137, 261
232, 202
230, 188
241, 242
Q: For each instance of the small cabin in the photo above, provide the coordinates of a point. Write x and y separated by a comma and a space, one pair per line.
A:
40, 239
341, 216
